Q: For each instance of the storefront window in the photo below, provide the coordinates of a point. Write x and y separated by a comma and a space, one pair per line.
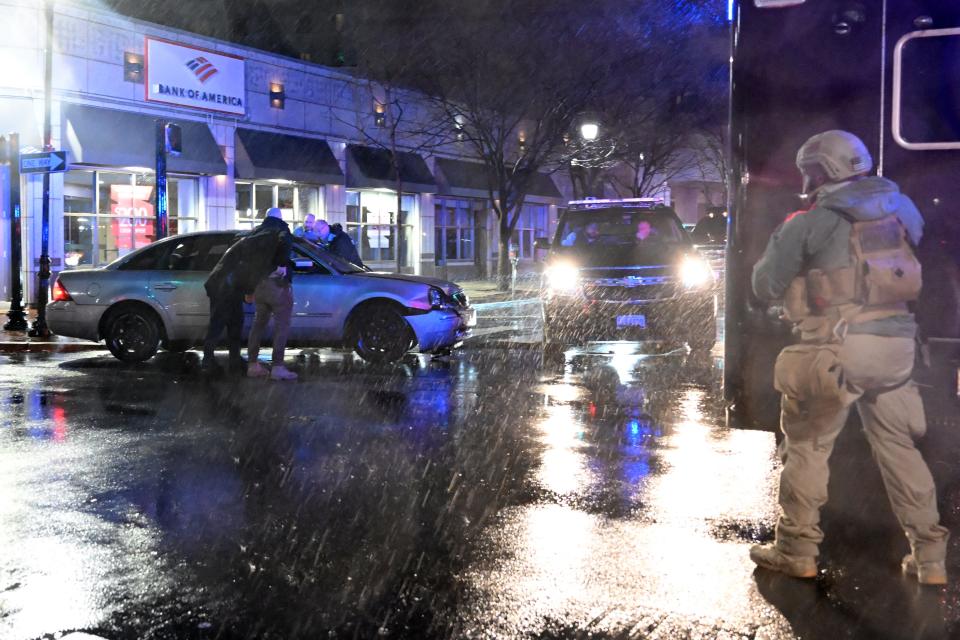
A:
373, 224
454, 224
533, 223
108, 214
294, 200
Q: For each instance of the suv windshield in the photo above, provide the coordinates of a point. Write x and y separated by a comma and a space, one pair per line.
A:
618, 226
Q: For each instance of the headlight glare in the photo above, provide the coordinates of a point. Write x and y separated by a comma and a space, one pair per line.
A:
562, 277
695, 272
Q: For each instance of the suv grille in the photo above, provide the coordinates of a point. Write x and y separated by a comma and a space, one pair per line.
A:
662, 291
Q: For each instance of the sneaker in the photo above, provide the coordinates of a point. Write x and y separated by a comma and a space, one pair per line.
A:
280, 372
925, 572
257, 370
769, 557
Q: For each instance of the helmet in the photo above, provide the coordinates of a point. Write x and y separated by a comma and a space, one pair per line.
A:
839, 154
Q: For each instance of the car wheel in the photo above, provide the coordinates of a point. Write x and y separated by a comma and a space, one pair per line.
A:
132, 334
381, 335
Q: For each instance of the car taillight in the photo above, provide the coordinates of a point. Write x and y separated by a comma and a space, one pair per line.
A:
59, 293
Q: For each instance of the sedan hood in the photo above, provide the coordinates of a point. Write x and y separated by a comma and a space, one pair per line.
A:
445, 285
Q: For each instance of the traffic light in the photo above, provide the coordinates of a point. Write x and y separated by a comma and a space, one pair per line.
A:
173, 139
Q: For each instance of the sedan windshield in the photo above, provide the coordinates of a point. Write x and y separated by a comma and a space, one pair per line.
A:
618, 227
335, 261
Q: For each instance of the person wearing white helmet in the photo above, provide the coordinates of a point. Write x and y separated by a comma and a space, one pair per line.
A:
846, 271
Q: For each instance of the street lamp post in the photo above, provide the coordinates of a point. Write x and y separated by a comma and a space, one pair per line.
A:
17, 319
591, 154
40, 328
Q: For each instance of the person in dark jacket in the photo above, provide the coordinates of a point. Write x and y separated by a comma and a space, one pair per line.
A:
273, 297
335, 240
234, 278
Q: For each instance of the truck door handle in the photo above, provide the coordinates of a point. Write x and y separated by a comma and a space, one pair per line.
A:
165, 286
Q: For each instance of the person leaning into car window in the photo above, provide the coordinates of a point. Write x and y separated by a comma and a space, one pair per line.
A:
336, 241
231, 282
273, 297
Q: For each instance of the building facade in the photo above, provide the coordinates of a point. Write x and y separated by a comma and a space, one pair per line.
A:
258, 131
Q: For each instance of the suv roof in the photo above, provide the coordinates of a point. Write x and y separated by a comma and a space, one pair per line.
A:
604, 203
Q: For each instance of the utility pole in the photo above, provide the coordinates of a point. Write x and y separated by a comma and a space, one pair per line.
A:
40, 328
16, 317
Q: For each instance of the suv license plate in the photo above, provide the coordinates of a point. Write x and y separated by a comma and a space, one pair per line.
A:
632, 321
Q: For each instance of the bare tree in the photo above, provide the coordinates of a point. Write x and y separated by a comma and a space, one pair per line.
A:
712, 162
512, 78
385, 118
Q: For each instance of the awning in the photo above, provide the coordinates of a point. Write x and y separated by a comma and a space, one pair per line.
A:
17, 115
370, 168
542, 186
274, 156
124, 139
462, 178
468, 179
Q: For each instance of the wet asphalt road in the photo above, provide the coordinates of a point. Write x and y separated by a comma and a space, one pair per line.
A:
487, 495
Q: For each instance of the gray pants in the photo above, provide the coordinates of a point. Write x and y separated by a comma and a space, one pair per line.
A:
273, 297
891, 421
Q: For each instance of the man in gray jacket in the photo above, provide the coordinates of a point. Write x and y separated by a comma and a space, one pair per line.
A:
846, 271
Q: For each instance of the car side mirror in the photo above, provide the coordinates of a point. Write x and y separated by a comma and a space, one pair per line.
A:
542, 243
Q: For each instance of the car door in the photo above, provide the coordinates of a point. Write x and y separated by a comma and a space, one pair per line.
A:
316, 316
176, 283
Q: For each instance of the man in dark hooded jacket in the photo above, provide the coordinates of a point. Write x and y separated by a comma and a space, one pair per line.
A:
234, 278
336, 241
846, 271
273, 296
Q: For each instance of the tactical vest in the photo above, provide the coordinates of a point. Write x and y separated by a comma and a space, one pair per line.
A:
884, 276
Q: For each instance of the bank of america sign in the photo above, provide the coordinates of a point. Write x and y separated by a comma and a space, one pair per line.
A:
191, 77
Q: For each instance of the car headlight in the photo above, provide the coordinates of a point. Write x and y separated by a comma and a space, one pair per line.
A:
562, 277
695, 272
435, 297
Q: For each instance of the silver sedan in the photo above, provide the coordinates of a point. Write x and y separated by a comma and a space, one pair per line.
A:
154, 297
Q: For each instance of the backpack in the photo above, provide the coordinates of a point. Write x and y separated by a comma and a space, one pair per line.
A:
885, 270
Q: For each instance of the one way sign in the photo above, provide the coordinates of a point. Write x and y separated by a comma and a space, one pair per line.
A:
45, 162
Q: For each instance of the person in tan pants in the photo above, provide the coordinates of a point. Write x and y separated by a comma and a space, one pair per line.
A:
273, 297
850, 255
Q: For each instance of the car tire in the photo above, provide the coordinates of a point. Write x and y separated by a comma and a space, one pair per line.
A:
381, 334
132, 333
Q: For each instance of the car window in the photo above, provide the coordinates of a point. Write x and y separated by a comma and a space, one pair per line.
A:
303, 263
147, 258
213, 248
184, 256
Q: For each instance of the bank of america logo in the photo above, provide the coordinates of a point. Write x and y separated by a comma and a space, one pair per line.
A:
202, 68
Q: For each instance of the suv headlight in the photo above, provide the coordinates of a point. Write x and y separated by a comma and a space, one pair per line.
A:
562, 277
695, 272
435, 297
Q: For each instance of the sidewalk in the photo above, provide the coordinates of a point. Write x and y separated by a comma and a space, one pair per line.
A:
485, 291
19, 341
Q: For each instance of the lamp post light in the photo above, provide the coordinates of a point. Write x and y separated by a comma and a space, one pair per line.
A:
589, 131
